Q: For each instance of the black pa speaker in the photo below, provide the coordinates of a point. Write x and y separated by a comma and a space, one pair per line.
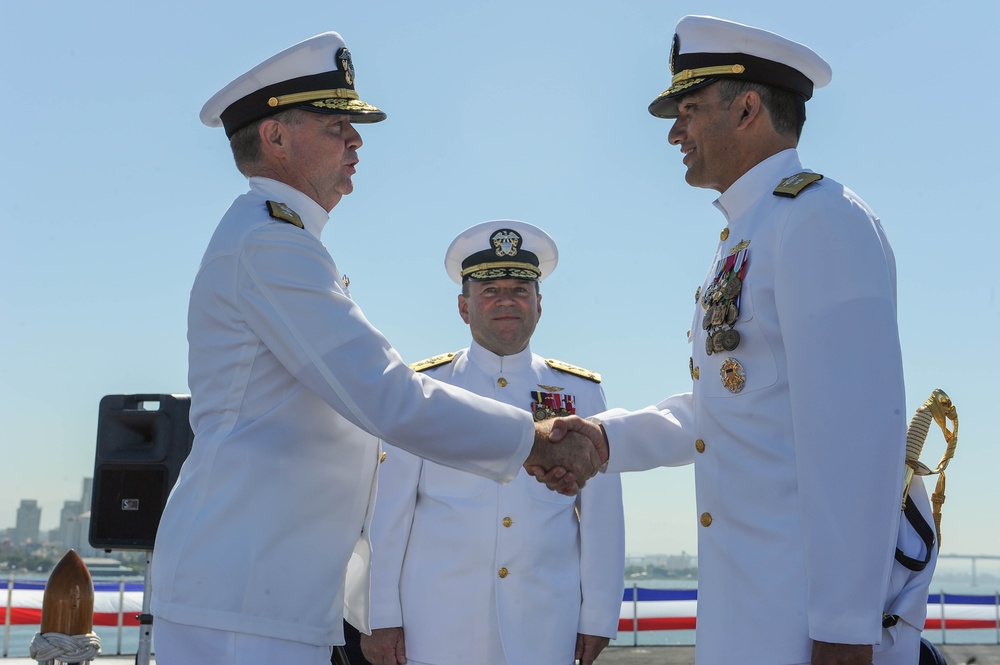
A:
142, 440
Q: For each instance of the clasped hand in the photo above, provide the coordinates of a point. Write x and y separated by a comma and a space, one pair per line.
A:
568, 452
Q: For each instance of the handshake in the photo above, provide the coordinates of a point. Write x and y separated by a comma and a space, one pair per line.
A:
567, 453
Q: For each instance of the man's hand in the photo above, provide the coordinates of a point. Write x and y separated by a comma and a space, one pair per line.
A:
825, 653
589, 647
385, 646
569, 451
558, 478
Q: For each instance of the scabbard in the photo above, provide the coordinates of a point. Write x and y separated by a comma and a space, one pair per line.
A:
340, 656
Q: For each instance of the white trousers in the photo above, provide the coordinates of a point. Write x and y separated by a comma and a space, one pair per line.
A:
178, 644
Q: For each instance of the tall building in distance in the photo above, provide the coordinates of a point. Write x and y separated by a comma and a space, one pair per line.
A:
77, 532
73, 531
29, 516
88, 492
69, 519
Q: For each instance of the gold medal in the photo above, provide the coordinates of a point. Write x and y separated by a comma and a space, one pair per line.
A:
709, 345
718, 313
717, 342
732, 287
730, 339
732, 374
732, 313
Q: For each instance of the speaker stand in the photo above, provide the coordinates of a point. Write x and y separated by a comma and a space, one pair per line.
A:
145, 619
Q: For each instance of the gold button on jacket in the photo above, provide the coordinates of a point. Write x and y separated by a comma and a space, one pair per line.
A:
503, 572
507, 521
699, 445
706, 519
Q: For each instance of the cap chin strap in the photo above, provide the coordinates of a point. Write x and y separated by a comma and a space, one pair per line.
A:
706, 72
299, 97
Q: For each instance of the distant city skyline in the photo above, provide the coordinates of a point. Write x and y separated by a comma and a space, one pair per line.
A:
71, 531
73, 527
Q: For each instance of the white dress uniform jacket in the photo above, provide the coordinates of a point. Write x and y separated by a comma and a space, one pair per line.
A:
799, 473
291, 388
476, 572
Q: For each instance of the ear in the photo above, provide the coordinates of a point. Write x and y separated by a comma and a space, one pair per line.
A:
463, 308
750, 107
272, 136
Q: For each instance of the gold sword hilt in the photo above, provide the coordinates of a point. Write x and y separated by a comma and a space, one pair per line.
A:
940, 409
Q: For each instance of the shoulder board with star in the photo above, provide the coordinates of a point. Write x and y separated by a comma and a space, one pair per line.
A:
432, 362
284, 213
791, 186
573, 369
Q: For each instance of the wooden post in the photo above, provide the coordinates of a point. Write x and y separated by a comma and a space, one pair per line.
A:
67, 611
68, 601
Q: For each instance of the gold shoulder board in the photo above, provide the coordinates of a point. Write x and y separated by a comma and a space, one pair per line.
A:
792, 185
573, 369
433, 361
284, 213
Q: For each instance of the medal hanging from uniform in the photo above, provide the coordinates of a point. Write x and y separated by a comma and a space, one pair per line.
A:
721, 302
545, 405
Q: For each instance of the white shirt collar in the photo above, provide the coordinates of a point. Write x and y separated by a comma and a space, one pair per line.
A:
491, 363
757, 182
314, 217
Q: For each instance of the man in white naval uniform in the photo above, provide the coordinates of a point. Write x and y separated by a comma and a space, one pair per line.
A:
468, 571
291, 390
796, 421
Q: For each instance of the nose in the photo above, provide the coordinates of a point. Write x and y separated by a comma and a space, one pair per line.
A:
504, 297
354, 138
676, 134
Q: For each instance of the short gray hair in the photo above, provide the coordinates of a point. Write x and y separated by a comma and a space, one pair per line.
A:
245, 142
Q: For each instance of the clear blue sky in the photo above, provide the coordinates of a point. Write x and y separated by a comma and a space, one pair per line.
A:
526, 109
